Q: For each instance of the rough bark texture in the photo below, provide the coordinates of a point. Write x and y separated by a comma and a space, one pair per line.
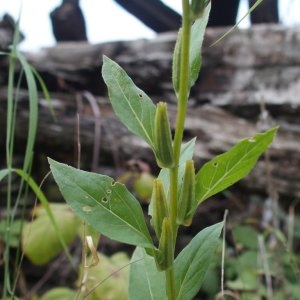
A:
239, 74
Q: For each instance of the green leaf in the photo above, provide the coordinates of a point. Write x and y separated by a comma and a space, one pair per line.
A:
187, 152
247, 280
245, 236
34, 232
246, 261
145, 281
226, 169
132, 106
197, 35
104, 204
4, 173
294, 289
193, 261
15, 229
196, 41
33, 110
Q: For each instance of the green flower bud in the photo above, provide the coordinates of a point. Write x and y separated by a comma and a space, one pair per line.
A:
162, 137
164, 258
187, 198
160, 210
197, 8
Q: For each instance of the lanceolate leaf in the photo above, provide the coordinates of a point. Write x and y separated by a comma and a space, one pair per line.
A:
106, 205
132, 106
145, 281
197, 35
193, 261
229, 167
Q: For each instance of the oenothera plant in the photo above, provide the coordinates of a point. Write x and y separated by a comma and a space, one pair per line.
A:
111, 209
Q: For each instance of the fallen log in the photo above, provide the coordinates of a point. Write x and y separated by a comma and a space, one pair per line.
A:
248, 70
216, 131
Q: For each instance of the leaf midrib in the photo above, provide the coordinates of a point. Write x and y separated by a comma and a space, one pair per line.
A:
226, 174
140, 233
133, 111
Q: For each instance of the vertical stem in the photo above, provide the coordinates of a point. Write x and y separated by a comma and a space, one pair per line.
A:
170, 283
184, 88
184, 85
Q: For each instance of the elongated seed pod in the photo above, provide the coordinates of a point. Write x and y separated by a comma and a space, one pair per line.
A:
162, 137
166, 251
160, 209
186, 202
197, 8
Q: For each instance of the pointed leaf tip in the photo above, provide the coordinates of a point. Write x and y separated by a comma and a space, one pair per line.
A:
226, 169
131, 105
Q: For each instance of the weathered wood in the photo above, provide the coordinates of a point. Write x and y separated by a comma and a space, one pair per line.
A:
245, 67
241, 71
216, 131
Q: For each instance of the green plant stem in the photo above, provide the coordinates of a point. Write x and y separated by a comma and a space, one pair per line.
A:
184, 85
170, 283
184, 88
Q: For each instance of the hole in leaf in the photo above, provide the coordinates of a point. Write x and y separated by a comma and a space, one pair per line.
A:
113, 183
140, 95
215, 164
251, 140
86, 209
108, 191
104, 200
